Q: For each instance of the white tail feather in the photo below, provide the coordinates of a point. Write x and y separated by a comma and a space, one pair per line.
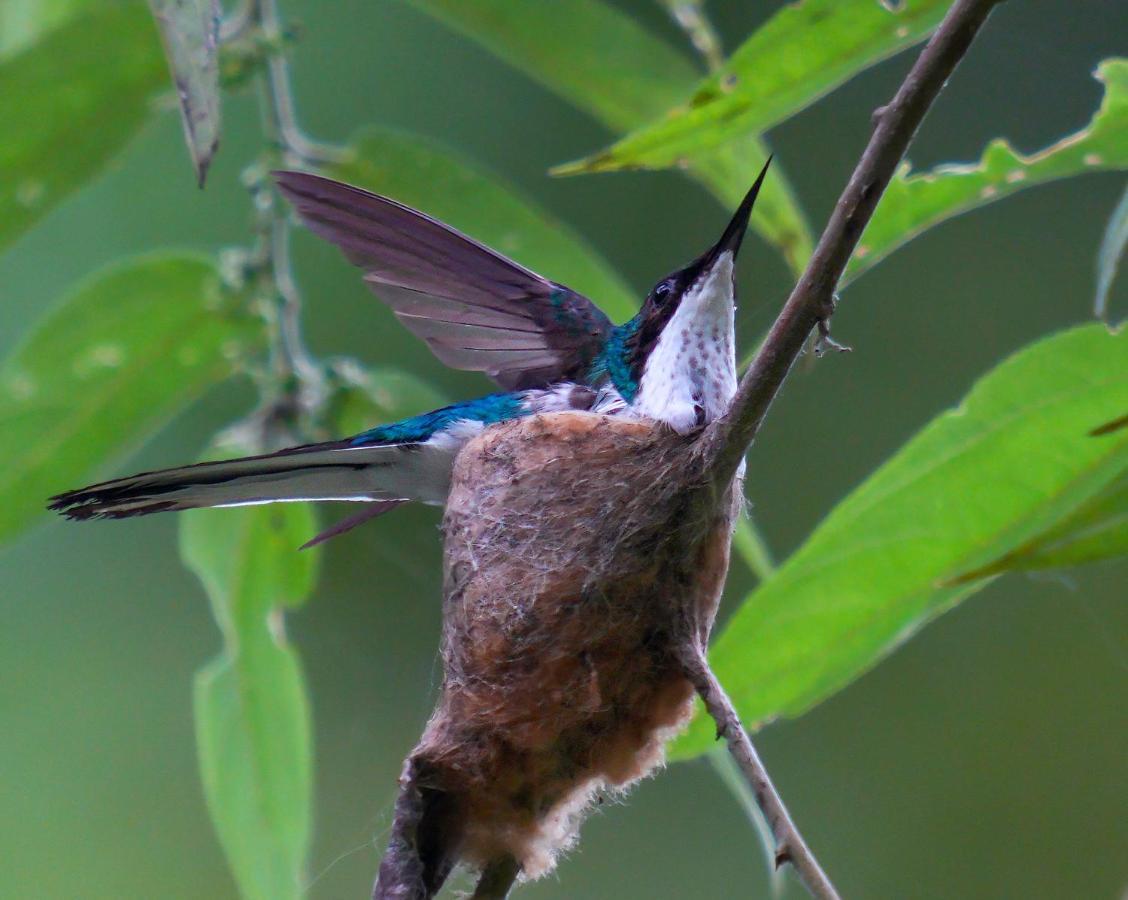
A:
336, 471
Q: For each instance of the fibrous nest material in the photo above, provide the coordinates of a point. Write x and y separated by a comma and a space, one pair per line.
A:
583, 553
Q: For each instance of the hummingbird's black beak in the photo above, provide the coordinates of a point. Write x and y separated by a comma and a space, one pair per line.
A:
734, 233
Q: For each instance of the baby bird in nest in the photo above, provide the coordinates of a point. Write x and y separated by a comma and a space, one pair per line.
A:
573, 564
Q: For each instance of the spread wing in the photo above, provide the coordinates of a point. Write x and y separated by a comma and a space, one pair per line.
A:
476, 309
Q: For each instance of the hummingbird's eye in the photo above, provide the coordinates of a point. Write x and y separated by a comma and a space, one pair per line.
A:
662, 293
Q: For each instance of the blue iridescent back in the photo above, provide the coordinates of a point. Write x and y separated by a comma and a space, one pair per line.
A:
487, 410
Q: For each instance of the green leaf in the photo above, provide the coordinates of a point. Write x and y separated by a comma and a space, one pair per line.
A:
435, 180
914, 203
563, 46
1013, 460
692, 18
253, 723
23, 22
1113, 244
68, 104
365, 398
1096, 531
190, 31
129, 348
801, 53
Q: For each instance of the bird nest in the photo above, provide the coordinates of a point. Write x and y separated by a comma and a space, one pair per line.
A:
582, 554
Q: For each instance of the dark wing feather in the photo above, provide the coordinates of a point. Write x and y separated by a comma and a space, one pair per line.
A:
475, 308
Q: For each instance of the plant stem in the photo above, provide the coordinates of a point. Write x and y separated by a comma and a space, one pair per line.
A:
752, 547
298, 382
497, 879
691, 18
291, 345
789, 844
813, 299
236, 23
733, 778
810, 307
295, 147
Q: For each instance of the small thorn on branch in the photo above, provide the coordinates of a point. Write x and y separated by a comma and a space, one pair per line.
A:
725, 442
825, 342
790, 846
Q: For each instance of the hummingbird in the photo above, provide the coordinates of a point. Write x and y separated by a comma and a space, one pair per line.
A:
547, 346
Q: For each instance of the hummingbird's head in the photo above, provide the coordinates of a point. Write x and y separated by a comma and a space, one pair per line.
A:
676, 360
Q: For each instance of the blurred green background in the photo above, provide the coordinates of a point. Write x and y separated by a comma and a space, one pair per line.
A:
984, 759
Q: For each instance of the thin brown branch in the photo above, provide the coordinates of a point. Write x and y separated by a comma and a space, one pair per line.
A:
789, 844
497, 879
810, 307
812, 302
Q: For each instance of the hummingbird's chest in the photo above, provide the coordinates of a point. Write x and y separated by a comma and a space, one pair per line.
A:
691, 382
689, 378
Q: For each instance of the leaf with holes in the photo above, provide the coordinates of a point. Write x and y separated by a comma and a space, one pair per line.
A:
801, 53
914, 203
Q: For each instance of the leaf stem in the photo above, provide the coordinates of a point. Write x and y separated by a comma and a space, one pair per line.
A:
813, 299
808, 309
299, 385
752, 547
237, 22
291, 344
1113, 245
691, 18
789, 844
733, 778
497, 880
283, 129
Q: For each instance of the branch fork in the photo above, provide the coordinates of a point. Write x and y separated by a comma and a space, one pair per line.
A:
724, 444
789, 844
636, 531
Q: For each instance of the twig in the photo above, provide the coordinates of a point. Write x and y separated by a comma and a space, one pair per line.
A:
690, 17
810, 307
236, 23
789, 844
297, 149
497, 878
298, 380
812, 301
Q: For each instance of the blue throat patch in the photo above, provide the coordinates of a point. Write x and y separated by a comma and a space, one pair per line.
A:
487, 410
615, 363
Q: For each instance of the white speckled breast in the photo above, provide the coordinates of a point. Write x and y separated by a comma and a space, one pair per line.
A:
690, 377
